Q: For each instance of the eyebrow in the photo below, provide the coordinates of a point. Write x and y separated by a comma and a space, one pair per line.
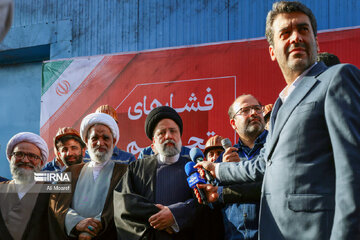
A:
297, 26
302, 25
165, 128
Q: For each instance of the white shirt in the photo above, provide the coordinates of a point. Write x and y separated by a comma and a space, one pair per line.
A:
167, 160
22, 188
284, 94
96, 167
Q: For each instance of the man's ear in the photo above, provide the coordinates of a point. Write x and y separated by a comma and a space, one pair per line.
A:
83, 151
58, 154
317, 45
232, 123
272, 53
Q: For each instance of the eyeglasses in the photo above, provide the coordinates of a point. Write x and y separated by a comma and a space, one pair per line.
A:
245, 111
21, 155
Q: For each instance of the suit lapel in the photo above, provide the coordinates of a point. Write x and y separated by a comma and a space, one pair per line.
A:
283, 114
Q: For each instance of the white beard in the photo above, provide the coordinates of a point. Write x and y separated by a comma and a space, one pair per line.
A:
100, 157
22, 175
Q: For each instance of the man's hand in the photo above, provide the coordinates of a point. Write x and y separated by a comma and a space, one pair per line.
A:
210, 191
162, 219
208, 166
89, 225
84, 236
231, 155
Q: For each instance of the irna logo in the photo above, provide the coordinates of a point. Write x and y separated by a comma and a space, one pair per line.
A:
52, 177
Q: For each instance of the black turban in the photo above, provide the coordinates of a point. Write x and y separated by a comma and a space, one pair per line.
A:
159, 113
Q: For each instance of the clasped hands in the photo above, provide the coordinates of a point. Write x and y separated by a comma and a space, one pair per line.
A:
162, 220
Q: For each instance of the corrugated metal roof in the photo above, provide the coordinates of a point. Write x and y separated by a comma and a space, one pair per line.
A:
109, 26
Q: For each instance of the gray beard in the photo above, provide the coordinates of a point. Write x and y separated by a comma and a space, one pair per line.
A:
100, 157
253, 131
168, 151
21, 175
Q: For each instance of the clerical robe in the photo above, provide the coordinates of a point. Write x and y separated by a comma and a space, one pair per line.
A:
25, 218
147, 183
60, 204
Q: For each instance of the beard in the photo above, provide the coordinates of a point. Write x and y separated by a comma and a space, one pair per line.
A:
100, 157
22, 175
168, 150
254, 129
78, 159
301, 65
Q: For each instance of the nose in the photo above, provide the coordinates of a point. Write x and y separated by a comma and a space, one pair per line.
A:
253, 112
100, 142
168, 134
68, 152
27, 159
295, 37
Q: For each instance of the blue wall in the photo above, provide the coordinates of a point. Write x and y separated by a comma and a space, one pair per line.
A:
49, 29
20, 104
82, 28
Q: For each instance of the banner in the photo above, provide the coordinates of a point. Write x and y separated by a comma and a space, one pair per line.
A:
199, 82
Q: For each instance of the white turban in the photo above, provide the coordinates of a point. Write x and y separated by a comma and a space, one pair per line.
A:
98, 118
31, 138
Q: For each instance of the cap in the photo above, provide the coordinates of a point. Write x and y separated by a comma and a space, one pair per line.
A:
213, 143
108, 110
64, 132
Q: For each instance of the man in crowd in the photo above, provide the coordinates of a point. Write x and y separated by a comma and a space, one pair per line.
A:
311, 184
153, 199
87, 212
246, 118
118, 155
328, 58
213, 148
21, 203
69, 149
241, 212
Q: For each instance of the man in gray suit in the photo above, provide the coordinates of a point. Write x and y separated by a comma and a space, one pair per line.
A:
311, 186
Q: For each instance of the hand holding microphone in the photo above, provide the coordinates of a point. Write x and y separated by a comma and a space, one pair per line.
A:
197, 157
230, 154
193, 180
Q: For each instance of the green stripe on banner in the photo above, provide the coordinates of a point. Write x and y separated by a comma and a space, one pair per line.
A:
51, 71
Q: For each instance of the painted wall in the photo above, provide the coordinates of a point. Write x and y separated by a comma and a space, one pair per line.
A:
20, 94
49, 29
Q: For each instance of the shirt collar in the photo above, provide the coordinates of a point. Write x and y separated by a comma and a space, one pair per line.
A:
259, 140
58, 165
167, 160
283, 96
116, 151
22, 188
98, 165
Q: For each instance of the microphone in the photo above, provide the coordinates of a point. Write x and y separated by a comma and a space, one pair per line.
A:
196, 156
195, 178
226, 143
